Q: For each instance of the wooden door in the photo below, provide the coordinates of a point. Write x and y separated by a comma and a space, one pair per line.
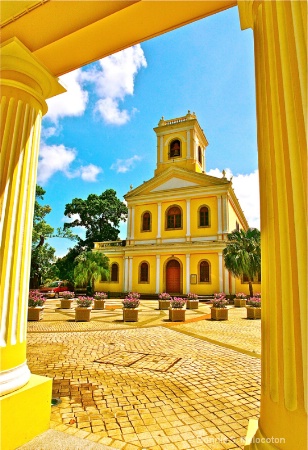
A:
173, 277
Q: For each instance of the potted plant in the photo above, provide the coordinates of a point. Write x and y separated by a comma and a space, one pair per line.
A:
176, 310
99, 300
35, 305
83, 309
67, 299
240, 300
130, 307
254, 307
164, 300
219, 309
192, 301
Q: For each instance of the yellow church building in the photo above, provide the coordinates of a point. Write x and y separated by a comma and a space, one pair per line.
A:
177, 222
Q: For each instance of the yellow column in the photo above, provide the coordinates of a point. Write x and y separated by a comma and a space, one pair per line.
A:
25, 84
280, 32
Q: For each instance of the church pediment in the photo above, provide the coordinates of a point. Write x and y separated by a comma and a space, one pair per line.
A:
176, 178
174, 183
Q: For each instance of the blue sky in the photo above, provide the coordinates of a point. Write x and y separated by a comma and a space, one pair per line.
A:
99, 134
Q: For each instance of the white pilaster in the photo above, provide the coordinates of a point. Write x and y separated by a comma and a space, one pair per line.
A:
188, 144
187, 273
220, 269
161, 149
130, 274
219, 217
126, 274
129, 212
132, 223
158, 220
226, 286
157, 290
188, 220
225, 215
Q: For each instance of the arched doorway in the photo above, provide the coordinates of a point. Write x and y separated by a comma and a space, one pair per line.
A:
173, 277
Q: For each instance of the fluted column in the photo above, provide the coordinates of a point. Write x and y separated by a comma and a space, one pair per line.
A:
280, 34
25, 84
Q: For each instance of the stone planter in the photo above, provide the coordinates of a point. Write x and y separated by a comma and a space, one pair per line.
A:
82, 314
99, 304
35, 313
130, 314
176, 314
239, 302
253, 312
219, 313
66, 303
164, 304
192, 304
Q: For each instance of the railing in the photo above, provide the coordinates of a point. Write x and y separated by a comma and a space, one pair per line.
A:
104, 244
188, 116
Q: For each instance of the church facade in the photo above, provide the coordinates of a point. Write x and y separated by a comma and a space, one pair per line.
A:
178, 222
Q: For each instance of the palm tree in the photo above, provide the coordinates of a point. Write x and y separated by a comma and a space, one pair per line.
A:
242, 255
90, 267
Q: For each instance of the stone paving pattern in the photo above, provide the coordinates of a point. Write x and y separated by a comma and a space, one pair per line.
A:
152, 384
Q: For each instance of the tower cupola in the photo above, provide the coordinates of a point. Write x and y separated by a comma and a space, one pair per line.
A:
181, 142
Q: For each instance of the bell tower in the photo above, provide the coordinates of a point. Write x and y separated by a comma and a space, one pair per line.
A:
181, 142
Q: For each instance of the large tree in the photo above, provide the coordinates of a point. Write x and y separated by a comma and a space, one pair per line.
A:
242, 254
43, 255
90, 266
100, 215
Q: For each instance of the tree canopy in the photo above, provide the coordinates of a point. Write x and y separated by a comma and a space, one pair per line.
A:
43, 255
100, 215
90, 266
242, 254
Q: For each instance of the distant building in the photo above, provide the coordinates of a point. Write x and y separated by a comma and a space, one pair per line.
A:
177, 222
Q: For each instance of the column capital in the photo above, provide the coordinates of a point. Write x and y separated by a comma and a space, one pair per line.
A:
22, 70
247, 10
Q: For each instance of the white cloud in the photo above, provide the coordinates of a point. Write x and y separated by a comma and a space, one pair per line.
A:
90, 172
58, 158
110, 112
47, 132
246, 188
71, 103
125, 165
52, 159
114, 78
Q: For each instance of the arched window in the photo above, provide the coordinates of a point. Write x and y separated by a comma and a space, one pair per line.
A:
146, 221
204, 272
174, 218
144, 272
204, 216
200, 155
114, 272
175, 148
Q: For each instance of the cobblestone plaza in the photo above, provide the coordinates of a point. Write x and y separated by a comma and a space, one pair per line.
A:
151, 384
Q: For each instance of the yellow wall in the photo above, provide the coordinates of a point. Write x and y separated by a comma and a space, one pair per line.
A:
213, 285
244, 287
195, 204
106, 286
139, 210
144, 288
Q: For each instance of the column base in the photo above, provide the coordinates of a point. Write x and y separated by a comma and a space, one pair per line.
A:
251, 431
25, 413
255, 440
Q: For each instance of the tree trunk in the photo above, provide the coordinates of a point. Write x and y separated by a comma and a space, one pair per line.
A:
250, 288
